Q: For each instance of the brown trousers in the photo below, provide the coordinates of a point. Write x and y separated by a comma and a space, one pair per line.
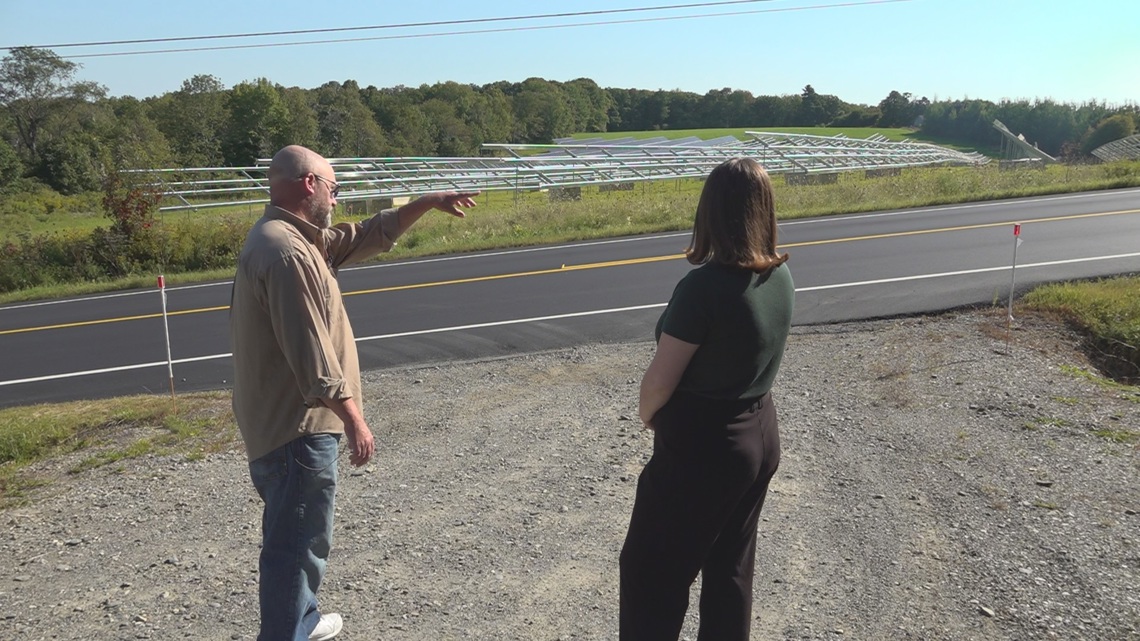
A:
698, 503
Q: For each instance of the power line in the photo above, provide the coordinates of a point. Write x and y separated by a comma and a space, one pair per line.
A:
498, 30
438, 23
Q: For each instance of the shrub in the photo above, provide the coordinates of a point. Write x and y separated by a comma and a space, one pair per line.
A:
1109, 129
199, 246
28, 261
71, 165
11, 169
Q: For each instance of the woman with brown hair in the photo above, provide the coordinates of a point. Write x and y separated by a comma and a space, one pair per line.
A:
706, 397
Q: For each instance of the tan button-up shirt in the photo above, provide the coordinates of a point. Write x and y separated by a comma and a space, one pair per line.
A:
292, 342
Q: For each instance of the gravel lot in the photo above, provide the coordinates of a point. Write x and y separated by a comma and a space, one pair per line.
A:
941, 479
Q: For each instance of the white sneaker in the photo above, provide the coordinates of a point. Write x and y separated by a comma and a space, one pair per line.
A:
328, 627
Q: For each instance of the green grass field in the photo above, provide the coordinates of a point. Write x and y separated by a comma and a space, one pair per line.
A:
50, 224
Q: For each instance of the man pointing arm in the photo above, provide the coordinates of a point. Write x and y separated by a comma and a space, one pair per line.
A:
297, 375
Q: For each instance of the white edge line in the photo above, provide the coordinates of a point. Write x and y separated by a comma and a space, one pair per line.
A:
516, 321
536, 319
438, 330
107, 370
964, 272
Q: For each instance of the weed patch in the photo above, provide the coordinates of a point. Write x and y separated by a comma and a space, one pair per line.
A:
1122, 436
108, 431
1120, 390
1107, 312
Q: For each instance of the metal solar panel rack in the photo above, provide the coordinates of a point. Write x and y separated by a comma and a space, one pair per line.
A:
1014, 146
568, 164
1123, 149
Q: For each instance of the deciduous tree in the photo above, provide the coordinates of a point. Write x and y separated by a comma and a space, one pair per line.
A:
895, 110
346, 127
37, 86
258, 123
192, 119
541, 113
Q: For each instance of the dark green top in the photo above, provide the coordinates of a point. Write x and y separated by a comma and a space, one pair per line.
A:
741, 321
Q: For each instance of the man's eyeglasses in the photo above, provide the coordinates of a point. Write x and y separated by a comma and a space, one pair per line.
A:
334, 187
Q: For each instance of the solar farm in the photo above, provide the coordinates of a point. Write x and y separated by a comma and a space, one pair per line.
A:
1123, 149
568, 164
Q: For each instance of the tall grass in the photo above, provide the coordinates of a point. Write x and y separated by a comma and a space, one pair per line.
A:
191, 246
533, 218
34, 209
1108, 311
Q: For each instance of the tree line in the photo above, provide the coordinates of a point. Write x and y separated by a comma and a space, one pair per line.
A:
68, 133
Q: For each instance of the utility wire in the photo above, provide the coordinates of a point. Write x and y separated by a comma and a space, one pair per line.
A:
487, 31
439, 23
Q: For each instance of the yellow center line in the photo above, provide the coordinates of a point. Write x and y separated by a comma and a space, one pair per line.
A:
395, 288
103, 321
540, 272
570, 268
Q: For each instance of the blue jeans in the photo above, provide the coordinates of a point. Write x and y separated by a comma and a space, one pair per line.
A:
297, 481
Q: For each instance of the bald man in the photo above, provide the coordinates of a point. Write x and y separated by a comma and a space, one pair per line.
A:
297, 377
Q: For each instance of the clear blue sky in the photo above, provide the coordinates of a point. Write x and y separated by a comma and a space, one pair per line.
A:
1067, 50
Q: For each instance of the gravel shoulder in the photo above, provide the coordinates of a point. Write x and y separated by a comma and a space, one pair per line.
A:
941, 479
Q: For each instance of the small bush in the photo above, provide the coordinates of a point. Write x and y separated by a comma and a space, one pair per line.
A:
72, 165
30, 261
1112, 128
201, 246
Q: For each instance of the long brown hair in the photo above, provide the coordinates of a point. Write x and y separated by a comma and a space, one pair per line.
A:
736, 218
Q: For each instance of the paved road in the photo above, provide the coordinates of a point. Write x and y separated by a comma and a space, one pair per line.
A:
498, 303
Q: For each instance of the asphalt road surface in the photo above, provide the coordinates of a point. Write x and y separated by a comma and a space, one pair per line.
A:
504, 302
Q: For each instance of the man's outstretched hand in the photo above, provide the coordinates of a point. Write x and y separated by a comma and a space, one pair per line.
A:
454, 202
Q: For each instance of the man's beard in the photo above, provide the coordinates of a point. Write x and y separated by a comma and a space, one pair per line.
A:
320, 214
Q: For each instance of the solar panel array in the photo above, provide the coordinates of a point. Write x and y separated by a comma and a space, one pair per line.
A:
1015, 145
1123, 149
568, 163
